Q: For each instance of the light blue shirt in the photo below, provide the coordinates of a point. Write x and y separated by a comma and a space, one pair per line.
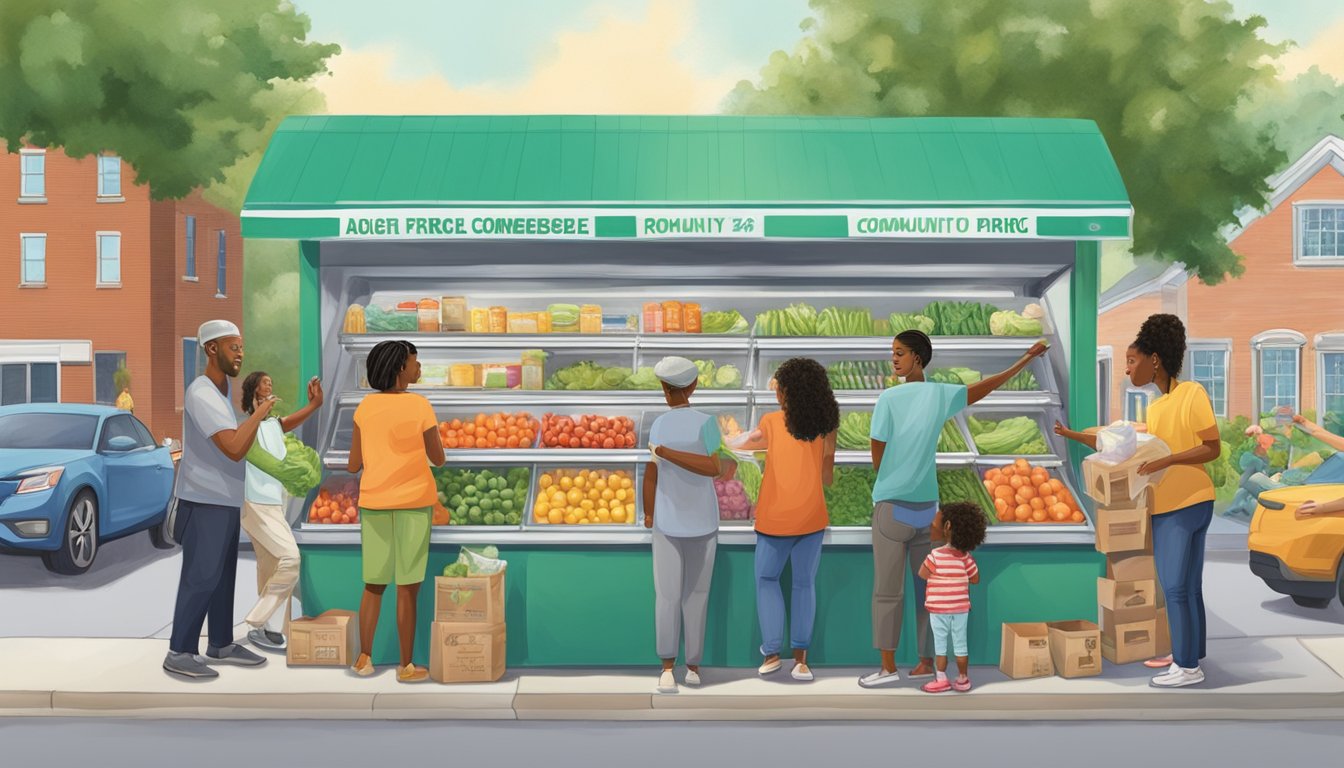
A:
684, 504
909, 418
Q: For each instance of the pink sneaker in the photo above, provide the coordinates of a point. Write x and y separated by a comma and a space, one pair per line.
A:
961, 686
936, 686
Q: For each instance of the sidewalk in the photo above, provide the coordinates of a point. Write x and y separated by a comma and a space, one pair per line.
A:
1281, 678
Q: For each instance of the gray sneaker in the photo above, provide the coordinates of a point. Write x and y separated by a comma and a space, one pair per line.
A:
267, 640
188, 665
233, 653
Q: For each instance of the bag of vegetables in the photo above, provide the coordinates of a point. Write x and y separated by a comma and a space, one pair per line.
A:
300, 471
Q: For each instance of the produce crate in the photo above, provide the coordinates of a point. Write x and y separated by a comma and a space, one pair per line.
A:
985, 415
490, 501
635, 415
543, 499
1054, 474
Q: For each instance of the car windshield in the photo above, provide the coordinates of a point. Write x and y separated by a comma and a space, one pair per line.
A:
47, 431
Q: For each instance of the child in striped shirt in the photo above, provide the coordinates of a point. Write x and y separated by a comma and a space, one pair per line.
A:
949, 571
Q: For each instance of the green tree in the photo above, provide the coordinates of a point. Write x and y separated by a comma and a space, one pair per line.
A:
182, 90
1162, 78
1299, 113
271, 315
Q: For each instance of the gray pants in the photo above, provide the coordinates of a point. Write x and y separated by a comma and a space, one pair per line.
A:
897, 546
682, 570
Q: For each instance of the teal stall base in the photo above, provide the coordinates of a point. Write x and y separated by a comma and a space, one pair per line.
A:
593, 607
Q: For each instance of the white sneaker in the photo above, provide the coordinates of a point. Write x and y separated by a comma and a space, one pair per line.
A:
1178, 677
666, 682
692, 677
801, 672
879, 678
770, 667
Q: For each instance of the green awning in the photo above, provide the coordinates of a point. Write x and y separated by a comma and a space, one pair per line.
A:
621, 176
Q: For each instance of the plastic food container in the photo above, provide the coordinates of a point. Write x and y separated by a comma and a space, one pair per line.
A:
590, 318
499, 320
522, 322
672, 316
690, 318
480, 320
429, 316
543, 323
453, 314
653, 317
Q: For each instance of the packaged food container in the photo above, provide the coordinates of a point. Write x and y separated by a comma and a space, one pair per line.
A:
534, 369
653, 317
690, 317
543, 322
462, 375
513, 376
620, 323
564, 318
495, 375
429, 316
499, 320
590, 318
672, 316
480, 320
453, 314
522, 322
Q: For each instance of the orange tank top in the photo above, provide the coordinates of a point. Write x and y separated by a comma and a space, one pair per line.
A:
791, 502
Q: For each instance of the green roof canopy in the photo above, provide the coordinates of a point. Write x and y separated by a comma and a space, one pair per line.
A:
327, 167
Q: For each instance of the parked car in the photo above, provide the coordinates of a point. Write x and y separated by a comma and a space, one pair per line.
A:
75, 476
1299, 558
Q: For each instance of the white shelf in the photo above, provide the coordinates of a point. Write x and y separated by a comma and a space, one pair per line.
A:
868, 397
604, 341
579, 457
539, 399
696, 341
849, 458
883, 343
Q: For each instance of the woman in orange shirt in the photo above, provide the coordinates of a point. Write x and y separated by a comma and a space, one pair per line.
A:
791, 518
396, 438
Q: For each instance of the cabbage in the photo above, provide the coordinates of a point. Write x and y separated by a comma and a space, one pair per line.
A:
299, 472
1010, 323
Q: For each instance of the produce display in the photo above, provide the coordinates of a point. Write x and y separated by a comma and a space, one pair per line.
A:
337, 505
733, 501
482, 497
960, 318
587, 431
585, 497
961, 484
794, 320
750, 474
1024, 381
728, 427
500, 430
354, 320
1024, 493
1016, 436
855, 431
861, 374
845, 321
909, 321
950, 439
962, 376
730, 321
849, 500
590, 376
379, 320
1010, 323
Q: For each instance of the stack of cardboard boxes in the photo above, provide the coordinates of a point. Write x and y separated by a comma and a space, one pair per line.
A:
1129, 598
468, 638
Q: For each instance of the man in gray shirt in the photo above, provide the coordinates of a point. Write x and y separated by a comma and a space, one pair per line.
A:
210, 487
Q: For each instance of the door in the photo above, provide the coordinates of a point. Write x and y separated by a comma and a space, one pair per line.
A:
135, 474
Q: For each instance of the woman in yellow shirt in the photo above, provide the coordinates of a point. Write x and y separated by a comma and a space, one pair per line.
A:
1183, 501
395, 440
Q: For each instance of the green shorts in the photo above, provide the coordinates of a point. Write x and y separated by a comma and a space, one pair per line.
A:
395, 545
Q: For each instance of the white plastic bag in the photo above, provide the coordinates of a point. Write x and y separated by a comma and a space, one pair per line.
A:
1117, 443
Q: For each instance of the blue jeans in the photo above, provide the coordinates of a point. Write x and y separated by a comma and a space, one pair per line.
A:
209, 536
1178, 548
772, 552
951, 625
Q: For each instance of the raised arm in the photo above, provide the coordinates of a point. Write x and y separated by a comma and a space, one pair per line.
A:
234, 443
977, 391
1319, 432
1086, 438
315, 397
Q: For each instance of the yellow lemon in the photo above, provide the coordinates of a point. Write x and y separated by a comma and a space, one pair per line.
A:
575, 496
608, 494
546, 481
603, 516
618, 516
583, 521
626, 484
600, 484
622, 495
541, 517
580, 482
571, 519
556, 517
558, 499
585, 504
566, 483
594, 494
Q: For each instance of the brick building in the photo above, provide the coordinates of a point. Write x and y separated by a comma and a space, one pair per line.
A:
1273, 337
97, 275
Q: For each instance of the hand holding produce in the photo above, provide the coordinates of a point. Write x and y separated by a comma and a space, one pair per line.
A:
483, 497
1020, 435
585, 497
500, 430
339, 506
587, 431
1027, 494
299, 472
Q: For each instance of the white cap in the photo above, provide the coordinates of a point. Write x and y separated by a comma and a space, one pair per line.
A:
676, 371
216, 329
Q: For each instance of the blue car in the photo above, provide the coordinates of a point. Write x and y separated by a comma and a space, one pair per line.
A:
75, 476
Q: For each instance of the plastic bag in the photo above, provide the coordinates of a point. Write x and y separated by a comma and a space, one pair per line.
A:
480, 562
1117, 443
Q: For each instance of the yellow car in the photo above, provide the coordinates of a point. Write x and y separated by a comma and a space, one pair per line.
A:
1298, 557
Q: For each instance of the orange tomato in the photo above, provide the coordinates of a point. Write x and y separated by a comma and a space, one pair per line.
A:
1022, 513
1027, 492
989, 486
1050, 501
1016, 483
1000, 506
1037, 503
1003, 492
1038, 516
1076, 517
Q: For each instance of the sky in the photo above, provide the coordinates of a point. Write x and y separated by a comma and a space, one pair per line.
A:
599, 56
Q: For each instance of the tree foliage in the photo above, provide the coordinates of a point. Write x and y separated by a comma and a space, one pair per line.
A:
1299, 113
183, 90
1164, 80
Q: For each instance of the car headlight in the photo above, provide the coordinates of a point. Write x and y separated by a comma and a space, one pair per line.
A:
38, 480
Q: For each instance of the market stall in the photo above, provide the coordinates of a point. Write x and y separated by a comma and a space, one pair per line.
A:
542, 265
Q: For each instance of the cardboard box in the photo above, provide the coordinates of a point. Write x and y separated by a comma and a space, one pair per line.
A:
1118, 483
1129, 642
1026, 651
1122, 602
1125, 528
466, 653
1075, 648
470, 599
1162, 637
329, 640
1131, 566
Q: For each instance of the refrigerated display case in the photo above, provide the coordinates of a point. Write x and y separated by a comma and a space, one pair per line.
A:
580, 578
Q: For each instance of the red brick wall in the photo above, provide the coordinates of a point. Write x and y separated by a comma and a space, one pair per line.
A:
1117, 329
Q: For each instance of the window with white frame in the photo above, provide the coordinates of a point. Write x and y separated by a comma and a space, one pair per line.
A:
1330, 377
1208, 368
1319, 232
33, 255
109, 258
33, 173
1278, 370
29, 382
109, 176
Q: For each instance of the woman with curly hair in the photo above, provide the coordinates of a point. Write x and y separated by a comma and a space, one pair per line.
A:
1183, 500
791, 517
906, 422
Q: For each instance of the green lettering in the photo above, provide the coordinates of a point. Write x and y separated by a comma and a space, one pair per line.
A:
350, 227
